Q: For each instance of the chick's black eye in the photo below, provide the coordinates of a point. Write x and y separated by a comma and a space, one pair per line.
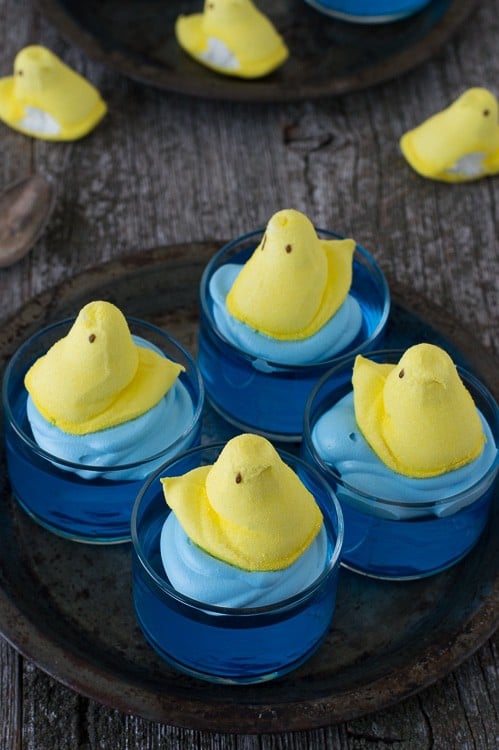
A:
486, 112
92, 338
288, 248
401, 373
20, 73
239, 478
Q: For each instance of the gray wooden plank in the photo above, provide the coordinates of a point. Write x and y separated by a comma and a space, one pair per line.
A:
10, 699
163, 168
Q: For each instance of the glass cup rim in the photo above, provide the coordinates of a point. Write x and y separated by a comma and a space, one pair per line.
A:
385, 9
243, 612
362, 9
46, 455
307, 437
305, 368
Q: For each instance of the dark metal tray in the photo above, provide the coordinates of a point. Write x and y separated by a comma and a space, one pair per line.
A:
327, 56
68, 608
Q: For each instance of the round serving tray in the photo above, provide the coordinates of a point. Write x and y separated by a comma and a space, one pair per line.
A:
327, 56
68, 607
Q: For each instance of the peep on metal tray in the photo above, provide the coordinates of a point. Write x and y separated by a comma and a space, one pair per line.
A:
68, 606
327, 56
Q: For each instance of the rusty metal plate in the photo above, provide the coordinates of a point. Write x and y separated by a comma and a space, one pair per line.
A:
68, 607
327, 56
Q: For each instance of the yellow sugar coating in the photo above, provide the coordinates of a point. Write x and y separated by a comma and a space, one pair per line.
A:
248, 509
43, 82
253, 46
417, 416
294, 282
466, 130
96, 377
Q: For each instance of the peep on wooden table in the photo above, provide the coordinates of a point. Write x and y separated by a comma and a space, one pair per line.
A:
338, 161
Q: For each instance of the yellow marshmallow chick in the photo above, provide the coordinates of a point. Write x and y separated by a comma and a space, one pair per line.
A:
248, 509
232, 37
47, 99
417, 416
96, 377
294, 282
459, 144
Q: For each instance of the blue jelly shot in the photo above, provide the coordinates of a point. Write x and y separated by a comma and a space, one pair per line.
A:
367, 11
392, 538
260, 394
226, 644
91, 501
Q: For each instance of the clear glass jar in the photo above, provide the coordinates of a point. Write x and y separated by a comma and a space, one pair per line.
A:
90, 503
259, 395
222, 644
410, 537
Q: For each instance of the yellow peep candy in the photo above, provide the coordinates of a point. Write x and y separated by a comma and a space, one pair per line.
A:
294, 282
459, 144
97, 377
417, 416
47, 99
248, 509
232, 37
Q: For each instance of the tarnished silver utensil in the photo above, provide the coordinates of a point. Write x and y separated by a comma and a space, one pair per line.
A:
25, 208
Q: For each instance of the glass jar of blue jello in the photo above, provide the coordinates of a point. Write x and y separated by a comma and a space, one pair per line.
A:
369, 11
90, 499
398, 527
229, 644
251, 387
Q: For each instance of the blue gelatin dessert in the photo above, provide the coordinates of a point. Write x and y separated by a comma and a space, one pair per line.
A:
369, 11
93, 406
235, 575
412, 454
279, 307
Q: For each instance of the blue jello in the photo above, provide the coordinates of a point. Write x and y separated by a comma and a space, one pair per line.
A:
222, 644
91, 503
386, 537
266, 396
369, 11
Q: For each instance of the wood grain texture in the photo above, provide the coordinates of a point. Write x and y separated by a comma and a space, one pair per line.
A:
165, 168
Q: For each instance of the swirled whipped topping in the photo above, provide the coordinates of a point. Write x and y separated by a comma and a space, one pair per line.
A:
245, 531
96, 376
128, 443
290, 302
200, 576
340, 444
338, 333
101, 397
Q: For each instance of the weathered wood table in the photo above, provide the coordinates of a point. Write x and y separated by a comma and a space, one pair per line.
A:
164, 169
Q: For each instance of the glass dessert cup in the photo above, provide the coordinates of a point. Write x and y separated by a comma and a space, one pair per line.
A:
257, 394
222, 644
367, 11
402, 540
86, 503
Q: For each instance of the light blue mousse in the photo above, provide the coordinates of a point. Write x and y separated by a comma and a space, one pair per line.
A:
340, 444
128, 443
198, 575
331, 339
